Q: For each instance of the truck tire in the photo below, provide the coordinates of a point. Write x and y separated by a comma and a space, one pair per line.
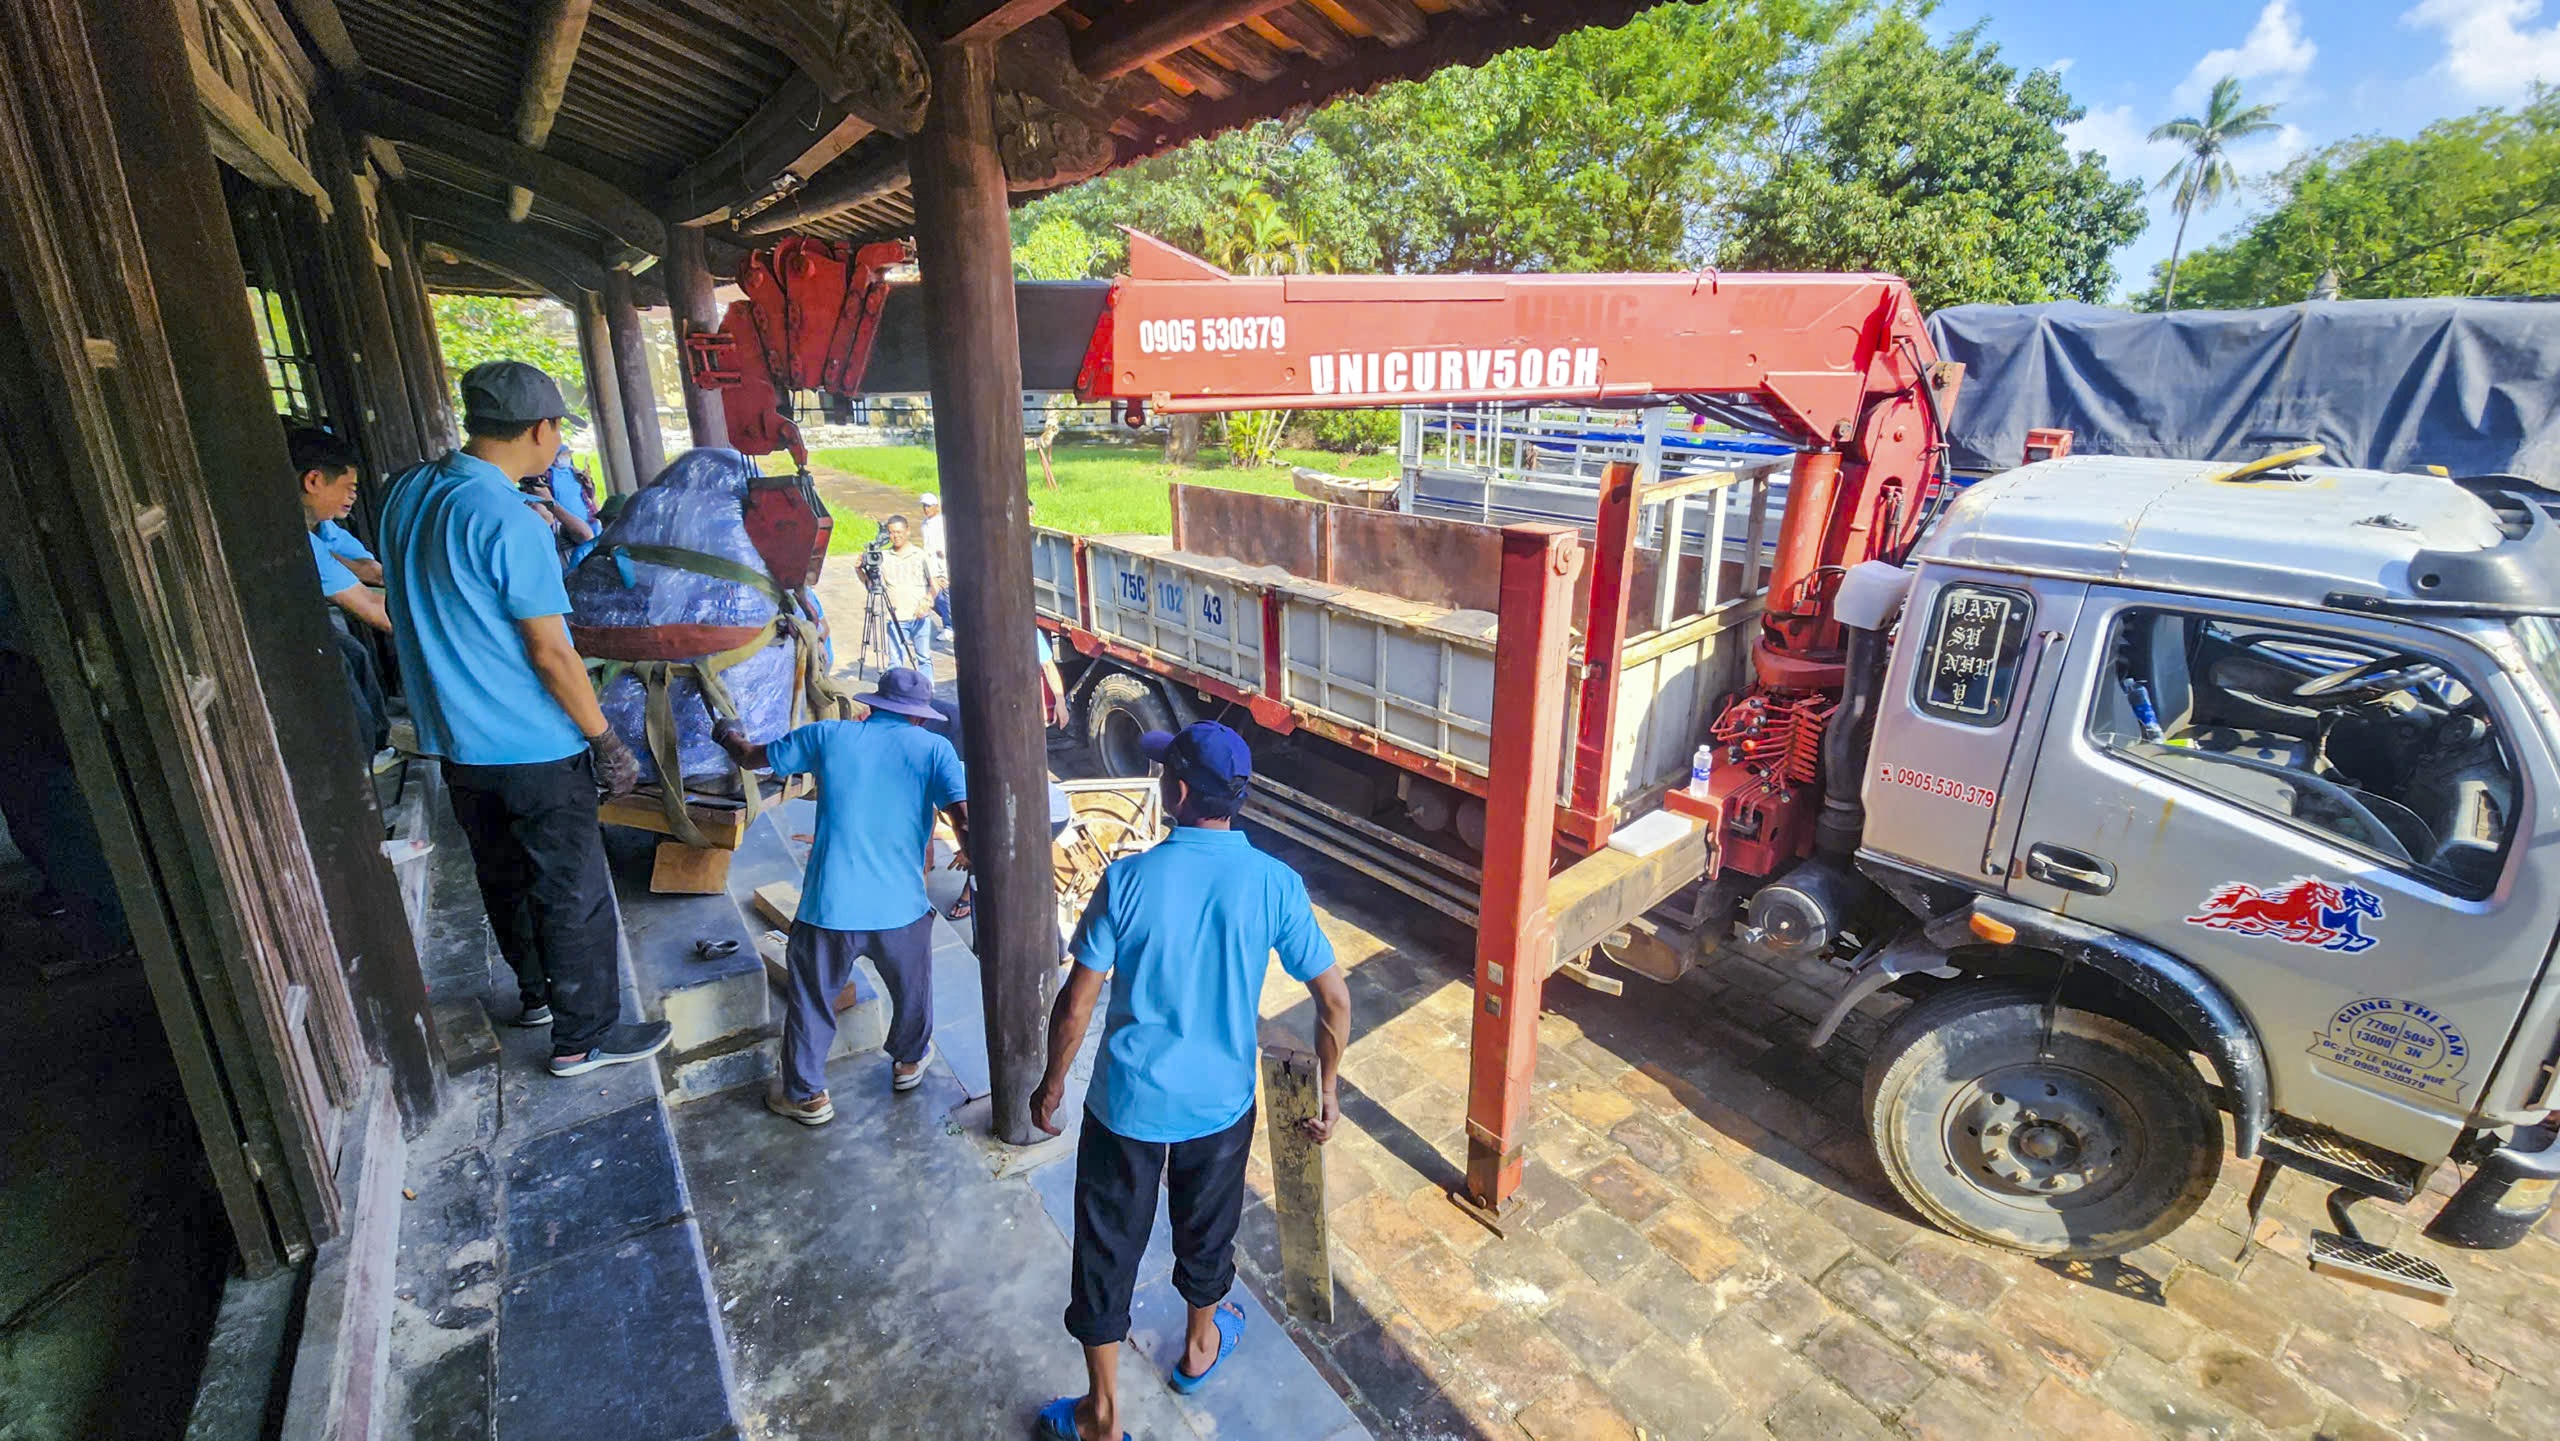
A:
2093, 1142
1118, 709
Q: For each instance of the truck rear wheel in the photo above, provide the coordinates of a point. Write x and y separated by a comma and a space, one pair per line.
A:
2093, 1141
1118, 709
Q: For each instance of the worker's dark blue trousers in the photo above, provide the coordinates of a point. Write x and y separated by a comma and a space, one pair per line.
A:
821, 964
1116, 1180
540, 859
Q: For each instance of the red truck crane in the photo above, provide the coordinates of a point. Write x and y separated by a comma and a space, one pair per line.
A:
1838, 365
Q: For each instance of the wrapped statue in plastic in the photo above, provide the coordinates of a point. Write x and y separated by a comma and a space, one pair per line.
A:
681, 621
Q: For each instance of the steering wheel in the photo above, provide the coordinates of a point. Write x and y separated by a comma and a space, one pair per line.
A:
2371, 680
2379, 836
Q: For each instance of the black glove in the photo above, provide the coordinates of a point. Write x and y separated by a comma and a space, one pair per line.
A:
617, 769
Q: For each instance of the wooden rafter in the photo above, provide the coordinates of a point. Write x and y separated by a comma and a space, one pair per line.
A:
612, 209
1113, 47
959, 21
798, 132
557, 28
849, 185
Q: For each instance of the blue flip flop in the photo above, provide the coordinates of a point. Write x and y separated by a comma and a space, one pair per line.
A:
1058, 1421
1228, 1336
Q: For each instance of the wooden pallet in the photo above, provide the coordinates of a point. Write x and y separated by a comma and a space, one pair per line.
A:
684, 870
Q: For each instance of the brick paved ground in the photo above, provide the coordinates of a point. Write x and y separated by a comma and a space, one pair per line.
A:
1706, 1248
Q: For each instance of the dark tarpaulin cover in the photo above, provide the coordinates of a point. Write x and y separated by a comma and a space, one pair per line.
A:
2471, 385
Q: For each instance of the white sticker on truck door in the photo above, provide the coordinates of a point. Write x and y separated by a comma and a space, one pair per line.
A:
2398, 1041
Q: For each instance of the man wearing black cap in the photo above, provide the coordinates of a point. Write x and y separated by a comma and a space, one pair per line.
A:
499, 693
880, 780
1185, 932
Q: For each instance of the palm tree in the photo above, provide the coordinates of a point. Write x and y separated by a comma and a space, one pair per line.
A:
2205, 175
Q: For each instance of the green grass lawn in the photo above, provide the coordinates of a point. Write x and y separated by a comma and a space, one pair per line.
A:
1102, 488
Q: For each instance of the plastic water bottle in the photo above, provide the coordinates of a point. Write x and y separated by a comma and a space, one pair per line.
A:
1701, 765
2145, 714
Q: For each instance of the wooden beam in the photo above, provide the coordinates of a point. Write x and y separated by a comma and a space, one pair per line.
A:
1117, 45
842, 188
319, 19
1393, 21
859, 51
1292, 1089
243, 140
480, 228
604, 394
557, 29
968, 20
798, 133
609, 206
386, 157
963, 223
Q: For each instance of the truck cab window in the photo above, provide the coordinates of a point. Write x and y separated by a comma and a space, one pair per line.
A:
2389, 752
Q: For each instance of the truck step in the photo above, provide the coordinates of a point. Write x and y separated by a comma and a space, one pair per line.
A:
2341, 1160
2366, 1264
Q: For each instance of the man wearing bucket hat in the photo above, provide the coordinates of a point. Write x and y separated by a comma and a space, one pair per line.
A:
1186, 933
880, 780
498, 692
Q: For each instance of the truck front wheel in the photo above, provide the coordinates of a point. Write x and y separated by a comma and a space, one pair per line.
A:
2091, 1140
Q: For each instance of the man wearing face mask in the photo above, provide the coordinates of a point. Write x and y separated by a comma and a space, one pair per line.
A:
1186, 933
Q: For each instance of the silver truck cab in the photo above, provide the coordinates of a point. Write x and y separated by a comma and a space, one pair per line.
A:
2264, 767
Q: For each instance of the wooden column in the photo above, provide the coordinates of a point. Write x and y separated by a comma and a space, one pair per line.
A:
965, 245
604, 395
196, 281
413, 317
631, 373
390, 429
689, 287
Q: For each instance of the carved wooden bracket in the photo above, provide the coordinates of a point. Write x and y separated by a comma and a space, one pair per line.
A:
1044, 147
860, 53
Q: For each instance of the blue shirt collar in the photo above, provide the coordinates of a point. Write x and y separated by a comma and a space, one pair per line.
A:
1203, 836
463, 465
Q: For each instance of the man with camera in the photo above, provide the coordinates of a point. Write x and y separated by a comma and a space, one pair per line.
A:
910, 578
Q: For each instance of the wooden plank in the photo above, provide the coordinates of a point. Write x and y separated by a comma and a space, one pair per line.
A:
1291, 1096
608, 205
967, 20
329, 36
557, 29
1606, 889
779, 903
682, 870
241, 137
1124, 40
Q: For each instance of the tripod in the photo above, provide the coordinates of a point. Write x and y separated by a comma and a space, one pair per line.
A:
879, 650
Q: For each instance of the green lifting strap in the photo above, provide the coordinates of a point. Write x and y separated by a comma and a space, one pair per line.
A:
717, 567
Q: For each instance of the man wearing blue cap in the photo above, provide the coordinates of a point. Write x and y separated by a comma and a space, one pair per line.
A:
1185, 932
880, 780
499, 693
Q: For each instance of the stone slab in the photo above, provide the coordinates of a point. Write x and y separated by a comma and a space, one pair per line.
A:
619, 1344
589, 1185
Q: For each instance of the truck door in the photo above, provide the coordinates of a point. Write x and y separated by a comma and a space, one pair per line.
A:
2323, 813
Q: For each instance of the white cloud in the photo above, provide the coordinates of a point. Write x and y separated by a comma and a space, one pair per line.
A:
2121, 138
2062, 66
2274, 50
2490, 48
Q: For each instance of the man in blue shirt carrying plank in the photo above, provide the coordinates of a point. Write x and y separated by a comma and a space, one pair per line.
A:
880, 780
499, 693
1185, 933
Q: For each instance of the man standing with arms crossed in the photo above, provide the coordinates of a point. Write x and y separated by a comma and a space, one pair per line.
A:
500, 694
1186, 933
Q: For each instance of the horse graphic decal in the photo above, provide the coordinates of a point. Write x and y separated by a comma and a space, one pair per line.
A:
2306, 911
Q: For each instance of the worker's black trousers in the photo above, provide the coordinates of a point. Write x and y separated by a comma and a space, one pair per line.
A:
540, 859
1116, 1180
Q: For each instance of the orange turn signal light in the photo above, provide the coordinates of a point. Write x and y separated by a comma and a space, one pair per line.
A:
1997, 932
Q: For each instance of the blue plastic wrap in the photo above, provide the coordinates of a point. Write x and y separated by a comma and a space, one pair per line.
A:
696, 504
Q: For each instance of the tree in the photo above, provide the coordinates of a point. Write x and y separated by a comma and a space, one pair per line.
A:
476, 328
1938, 163
1611, 150
2205, 176
2467, 206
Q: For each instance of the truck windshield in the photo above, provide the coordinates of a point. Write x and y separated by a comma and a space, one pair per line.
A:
2539, 638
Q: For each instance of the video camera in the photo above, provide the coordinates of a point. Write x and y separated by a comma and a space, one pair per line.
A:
868, 563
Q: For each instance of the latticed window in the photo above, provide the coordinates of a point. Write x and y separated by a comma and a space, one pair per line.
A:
281, 346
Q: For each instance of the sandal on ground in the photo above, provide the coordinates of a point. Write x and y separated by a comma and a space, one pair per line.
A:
1058, 1421
962, 908
1228, 1336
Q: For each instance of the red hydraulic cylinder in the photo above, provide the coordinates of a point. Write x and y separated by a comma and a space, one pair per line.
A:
1515, 941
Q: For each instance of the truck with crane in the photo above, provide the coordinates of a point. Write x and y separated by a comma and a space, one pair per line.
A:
2114, 765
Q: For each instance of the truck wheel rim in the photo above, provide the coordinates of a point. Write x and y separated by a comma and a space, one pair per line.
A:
1121, 733
2043, 1134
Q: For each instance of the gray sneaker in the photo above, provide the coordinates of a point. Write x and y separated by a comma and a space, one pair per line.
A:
531, 1017
621, 1044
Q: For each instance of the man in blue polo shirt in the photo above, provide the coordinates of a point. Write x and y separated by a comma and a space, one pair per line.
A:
880, 780
500, 694
327, 466
1185, 932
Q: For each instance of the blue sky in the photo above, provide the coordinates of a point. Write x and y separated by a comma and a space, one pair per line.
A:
2337, 67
